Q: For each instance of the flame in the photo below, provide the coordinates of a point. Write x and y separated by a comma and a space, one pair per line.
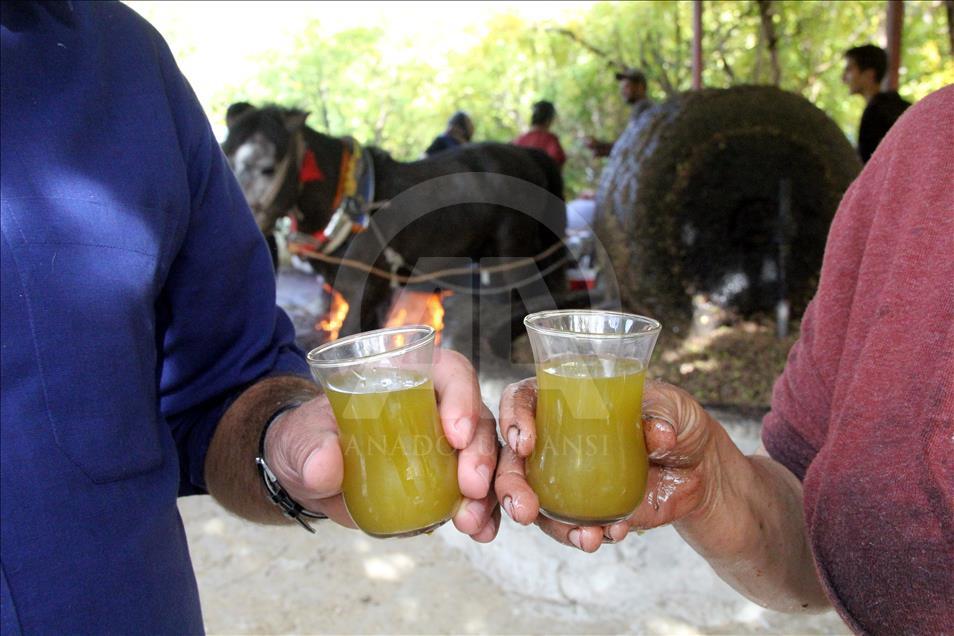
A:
411, 307
336, 314
414, 307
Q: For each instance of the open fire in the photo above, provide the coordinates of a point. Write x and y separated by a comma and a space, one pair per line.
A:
337, 311
418, 308
409, 308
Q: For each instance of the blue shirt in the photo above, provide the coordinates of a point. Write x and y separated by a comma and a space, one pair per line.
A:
137, 301
441, 143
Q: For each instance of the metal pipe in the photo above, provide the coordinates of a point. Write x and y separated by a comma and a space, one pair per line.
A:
783, 232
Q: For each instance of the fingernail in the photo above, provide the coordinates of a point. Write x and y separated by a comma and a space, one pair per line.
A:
575, 538
312, 456
618, 533
513, 437
478, 509
484, 473
463, 427
508, 506
662, 426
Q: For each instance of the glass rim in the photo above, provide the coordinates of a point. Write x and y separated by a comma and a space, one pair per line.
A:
428, 332
654, 325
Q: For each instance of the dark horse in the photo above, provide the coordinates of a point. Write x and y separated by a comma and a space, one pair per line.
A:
479, 201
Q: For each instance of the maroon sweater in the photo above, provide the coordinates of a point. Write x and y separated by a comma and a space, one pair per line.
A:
864, 411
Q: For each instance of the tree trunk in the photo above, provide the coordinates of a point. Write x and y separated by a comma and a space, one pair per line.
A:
767, 13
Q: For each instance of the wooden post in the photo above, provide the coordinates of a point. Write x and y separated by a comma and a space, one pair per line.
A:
696, 45
950, 22
894, 29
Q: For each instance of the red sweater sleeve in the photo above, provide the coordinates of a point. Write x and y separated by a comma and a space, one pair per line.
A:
864, 410
555, 151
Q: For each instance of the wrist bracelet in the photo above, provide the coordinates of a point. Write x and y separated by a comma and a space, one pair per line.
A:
276, 494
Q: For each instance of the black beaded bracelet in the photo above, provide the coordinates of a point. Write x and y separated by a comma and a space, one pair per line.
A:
276, 494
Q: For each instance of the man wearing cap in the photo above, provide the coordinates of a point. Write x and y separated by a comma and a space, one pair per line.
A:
632, 88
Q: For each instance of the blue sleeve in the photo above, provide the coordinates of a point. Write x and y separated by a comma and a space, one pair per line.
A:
219, 328
438, 145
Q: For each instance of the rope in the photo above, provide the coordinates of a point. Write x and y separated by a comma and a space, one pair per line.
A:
309, 252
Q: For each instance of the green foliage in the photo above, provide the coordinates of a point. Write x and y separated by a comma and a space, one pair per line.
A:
386, 91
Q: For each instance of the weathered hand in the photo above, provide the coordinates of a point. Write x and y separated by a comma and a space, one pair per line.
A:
303, 450
678, 436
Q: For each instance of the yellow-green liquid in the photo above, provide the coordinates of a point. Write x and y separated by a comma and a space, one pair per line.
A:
400, 472
589, 464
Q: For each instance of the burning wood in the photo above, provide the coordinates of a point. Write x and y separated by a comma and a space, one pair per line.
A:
410, 308
337, 311
418, 308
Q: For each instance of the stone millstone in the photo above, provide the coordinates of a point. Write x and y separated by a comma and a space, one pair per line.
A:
688, 204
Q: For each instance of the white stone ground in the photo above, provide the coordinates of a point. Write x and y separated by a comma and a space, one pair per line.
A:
268, 580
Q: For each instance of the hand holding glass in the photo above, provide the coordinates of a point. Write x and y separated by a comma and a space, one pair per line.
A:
400, 472
589, 463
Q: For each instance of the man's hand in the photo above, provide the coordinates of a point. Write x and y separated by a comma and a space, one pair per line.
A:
678, 434
742, 514
302, 449
597, 147
469, 427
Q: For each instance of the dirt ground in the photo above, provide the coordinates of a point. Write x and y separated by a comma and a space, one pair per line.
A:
282, 580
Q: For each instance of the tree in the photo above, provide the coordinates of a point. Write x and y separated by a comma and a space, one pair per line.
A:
353, 84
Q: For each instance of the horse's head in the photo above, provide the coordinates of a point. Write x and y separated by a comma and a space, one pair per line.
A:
261, 147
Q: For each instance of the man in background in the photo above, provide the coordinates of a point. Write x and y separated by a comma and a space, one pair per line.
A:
632, 88
460, 130
865, 67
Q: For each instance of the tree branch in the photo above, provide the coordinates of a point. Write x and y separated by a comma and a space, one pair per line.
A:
660, 64
610, 59
767, 14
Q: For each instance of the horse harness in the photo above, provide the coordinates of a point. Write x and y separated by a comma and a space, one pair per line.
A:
353, 202
354, 206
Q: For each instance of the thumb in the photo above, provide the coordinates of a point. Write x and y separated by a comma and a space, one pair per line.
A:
302, 449
675, 425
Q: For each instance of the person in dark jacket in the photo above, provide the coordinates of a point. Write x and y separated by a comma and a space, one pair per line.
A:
865, 67
460, 130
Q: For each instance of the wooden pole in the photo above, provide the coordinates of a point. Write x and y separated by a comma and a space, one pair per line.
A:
894, 29
950, 22
696, 45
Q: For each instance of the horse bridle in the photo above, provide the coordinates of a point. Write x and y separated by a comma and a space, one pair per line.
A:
354, 194
267, 204
353, 202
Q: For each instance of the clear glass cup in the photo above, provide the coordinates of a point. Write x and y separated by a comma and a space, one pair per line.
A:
400, 472
589, 464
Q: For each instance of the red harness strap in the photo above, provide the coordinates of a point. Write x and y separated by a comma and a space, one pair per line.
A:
311, 172
309, 169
